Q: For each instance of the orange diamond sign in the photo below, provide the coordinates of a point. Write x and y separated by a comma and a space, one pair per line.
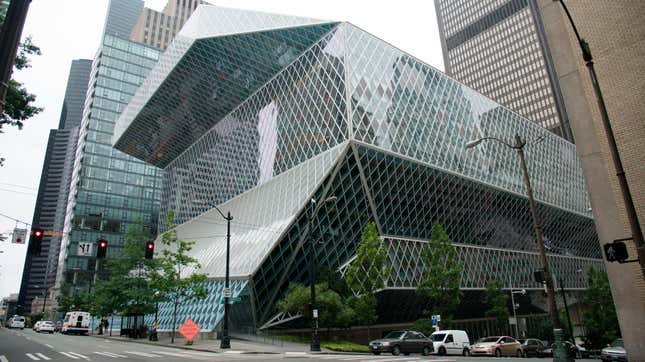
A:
189, 329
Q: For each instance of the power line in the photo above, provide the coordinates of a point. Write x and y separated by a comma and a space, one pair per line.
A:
18, 192
14, 219
16, 185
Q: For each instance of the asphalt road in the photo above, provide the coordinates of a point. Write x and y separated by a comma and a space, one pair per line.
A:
26, 345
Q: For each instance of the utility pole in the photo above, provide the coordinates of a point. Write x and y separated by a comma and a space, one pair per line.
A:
9, 39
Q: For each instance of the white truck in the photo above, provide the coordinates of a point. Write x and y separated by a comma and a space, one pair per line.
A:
451, 342
76, 323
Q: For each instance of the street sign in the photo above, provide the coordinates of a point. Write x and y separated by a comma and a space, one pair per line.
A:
315, 313
85, 249
19, 236
616, 251
235, 299
227, 292
189, 329
512, 320
436, 318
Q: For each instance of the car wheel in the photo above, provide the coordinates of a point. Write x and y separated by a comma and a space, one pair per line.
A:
396, 351
377, 353
519, 353
442, 351
498, 353
426, 351
466, 352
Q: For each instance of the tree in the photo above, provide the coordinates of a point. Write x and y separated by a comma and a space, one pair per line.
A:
170, 282
19, 102
332, 311
440, 276
601, 322
497, 302
367, 274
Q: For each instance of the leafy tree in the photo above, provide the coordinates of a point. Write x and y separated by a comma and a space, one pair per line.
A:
440, 277
19, 102
497, 302
601, 322
332, 312
70, 299
174, 286
423, 325
367, 274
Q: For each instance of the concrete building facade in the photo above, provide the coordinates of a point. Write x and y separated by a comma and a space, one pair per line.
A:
616, 35
158, 28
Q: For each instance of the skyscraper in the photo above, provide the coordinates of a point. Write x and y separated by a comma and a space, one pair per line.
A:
40, 270
498, 47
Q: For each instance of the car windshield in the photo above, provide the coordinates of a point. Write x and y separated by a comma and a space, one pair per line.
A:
488, 339
438, 337
395, 335
48, 322
618, 343
522, 340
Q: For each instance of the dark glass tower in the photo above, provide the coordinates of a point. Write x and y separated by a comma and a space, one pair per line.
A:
499, 48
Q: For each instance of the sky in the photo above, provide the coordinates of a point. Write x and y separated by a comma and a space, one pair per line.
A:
71, 29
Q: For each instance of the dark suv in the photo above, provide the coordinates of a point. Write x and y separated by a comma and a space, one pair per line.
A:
531, 347
405, 342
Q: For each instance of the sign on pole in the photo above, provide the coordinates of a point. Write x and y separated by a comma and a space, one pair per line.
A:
19, 236
227, 292
315, 313
189, 329
512, 320
84, 249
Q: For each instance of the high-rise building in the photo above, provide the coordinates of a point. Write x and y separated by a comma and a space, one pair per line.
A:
615, 32
498, 47
260, 113
158, 28
39, 272
121, 17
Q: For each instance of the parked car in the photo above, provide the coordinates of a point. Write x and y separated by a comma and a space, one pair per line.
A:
16, 322
44, 326
451, 342
573, 351
531, 347
405, 342
497, 346
614, 352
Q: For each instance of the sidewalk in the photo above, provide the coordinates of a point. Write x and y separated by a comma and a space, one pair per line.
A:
213, 345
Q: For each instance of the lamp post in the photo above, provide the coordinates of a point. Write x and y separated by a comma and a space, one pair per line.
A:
550, 296
155, 325
315, 342
632, 217
226, 339
513, 292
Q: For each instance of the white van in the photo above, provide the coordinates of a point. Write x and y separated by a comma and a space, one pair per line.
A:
451, 342
76, 323
17, 322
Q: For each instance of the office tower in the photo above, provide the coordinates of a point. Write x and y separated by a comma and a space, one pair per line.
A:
615, 32
110, 190
260, 113
497, 47
157, 29
49, 214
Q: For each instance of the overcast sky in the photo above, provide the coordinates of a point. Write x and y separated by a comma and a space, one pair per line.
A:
71, 29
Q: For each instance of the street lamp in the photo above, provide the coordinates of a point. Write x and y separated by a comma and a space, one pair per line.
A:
519, 147
315, 342
632, 217
226, 339
513, 292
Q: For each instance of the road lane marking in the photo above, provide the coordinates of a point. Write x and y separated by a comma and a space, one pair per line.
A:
43, 356
68, 355
3, 359
49, 345
32, 357
110, 354
79, 355
143, 354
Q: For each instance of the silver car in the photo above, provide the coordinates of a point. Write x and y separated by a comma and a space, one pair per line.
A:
614, 352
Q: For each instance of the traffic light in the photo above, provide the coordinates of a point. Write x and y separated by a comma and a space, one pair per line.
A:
101, 251
36, 241
538, 276
616, 251
150, 249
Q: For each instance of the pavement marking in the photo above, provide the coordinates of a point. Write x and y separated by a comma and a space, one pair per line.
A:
175, 354
49, 345
234, 352
43, 356
198, 353
79, 355
110, 354
68, 355
3, 359
143, 354
32, 357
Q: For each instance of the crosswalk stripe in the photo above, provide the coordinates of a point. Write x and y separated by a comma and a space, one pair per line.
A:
3, 359
49, 345
43, 356
110, 354
68, 355
79, 355
143, 354
32, 357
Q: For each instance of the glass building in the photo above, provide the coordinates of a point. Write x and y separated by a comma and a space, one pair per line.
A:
499, 48
259, 113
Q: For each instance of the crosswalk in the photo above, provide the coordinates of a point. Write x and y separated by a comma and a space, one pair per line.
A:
38, 356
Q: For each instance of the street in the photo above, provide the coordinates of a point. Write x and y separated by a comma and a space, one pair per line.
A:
26, 345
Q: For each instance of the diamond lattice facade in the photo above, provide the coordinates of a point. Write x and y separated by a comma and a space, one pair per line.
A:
259, 113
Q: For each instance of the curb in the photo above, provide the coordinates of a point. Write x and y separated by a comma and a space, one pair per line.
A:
179, 347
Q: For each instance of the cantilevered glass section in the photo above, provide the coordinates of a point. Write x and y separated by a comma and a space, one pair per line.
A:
332, 110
